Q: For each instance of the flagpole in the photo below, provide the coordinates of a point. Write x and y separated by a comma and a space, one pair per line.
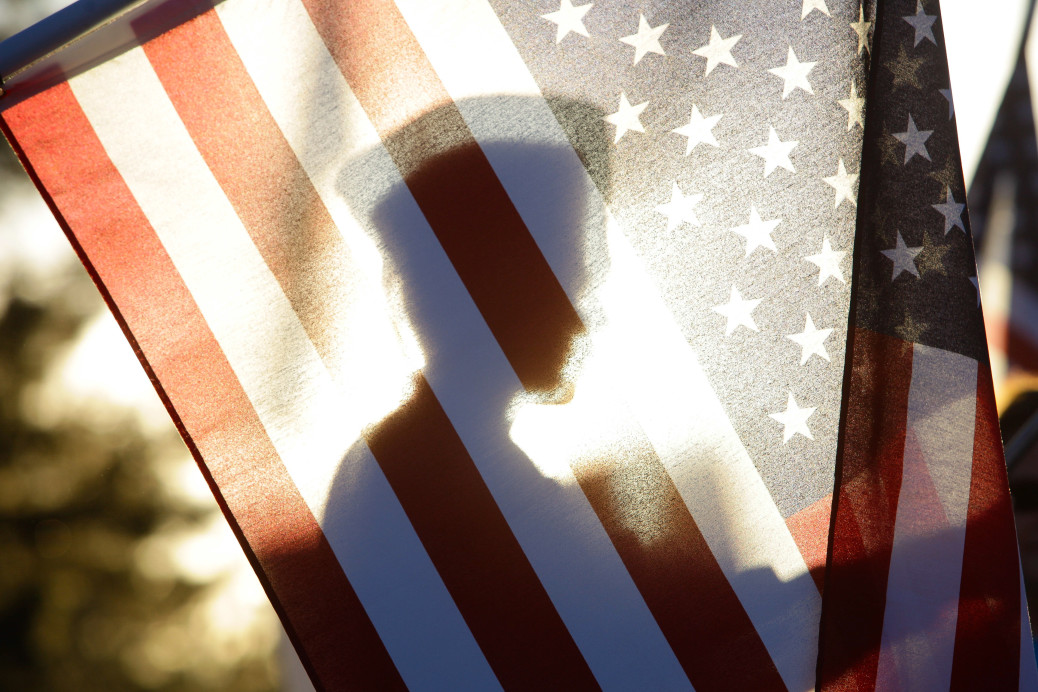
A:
49, 35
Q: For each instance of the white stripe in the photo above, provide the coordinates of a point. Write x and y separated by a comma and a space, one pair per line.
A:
554, 523
664, 383
292, 392
926, 560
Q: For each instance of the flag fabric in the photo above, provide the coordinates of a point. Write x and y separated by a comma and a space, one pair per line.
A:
912, 547
522, 343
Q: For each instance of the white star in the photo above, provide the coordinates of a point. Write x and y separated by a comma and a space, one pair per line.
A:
626, 117
828, 262
757, 232
718, 51
794, 420
811, 340
952, 212
775, 153
647, 40
569, 19
680, 209
812, 5
976, 287
946, 93
861, 28
698, 130
903, 258
843, 183
793, 74
854, 107
738, 311
914, 140
922, 23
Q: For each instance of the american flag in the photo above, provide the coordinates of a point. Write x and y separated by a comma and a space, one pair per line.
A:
914, 547
522, 342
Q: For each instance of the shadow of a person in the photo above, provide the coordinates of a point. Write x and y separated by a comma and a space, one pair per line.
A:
539, 501
511, 543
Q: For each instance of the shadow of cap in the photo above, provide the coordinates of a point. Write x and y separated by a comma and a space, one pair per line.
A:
481, 200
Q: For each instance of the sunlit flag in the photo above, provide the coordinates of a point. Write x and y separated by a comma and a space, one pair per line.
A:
522, 344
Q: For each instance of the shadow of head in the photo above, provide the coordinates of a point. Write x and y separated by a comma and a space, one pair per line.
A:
513, 215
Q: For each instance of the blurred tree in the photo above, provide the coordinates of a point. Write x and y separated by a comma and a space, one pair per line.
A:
88, 597
94, 594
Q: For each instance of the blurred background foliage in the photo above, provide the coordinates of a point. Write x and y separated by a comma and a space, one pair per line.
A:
117, 570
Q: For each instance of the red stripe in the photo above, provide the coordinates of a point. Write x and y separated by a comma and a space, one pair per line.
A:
987, 635
872, 443
467, 537
322, 615
670, 561
519, 297
810, 529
